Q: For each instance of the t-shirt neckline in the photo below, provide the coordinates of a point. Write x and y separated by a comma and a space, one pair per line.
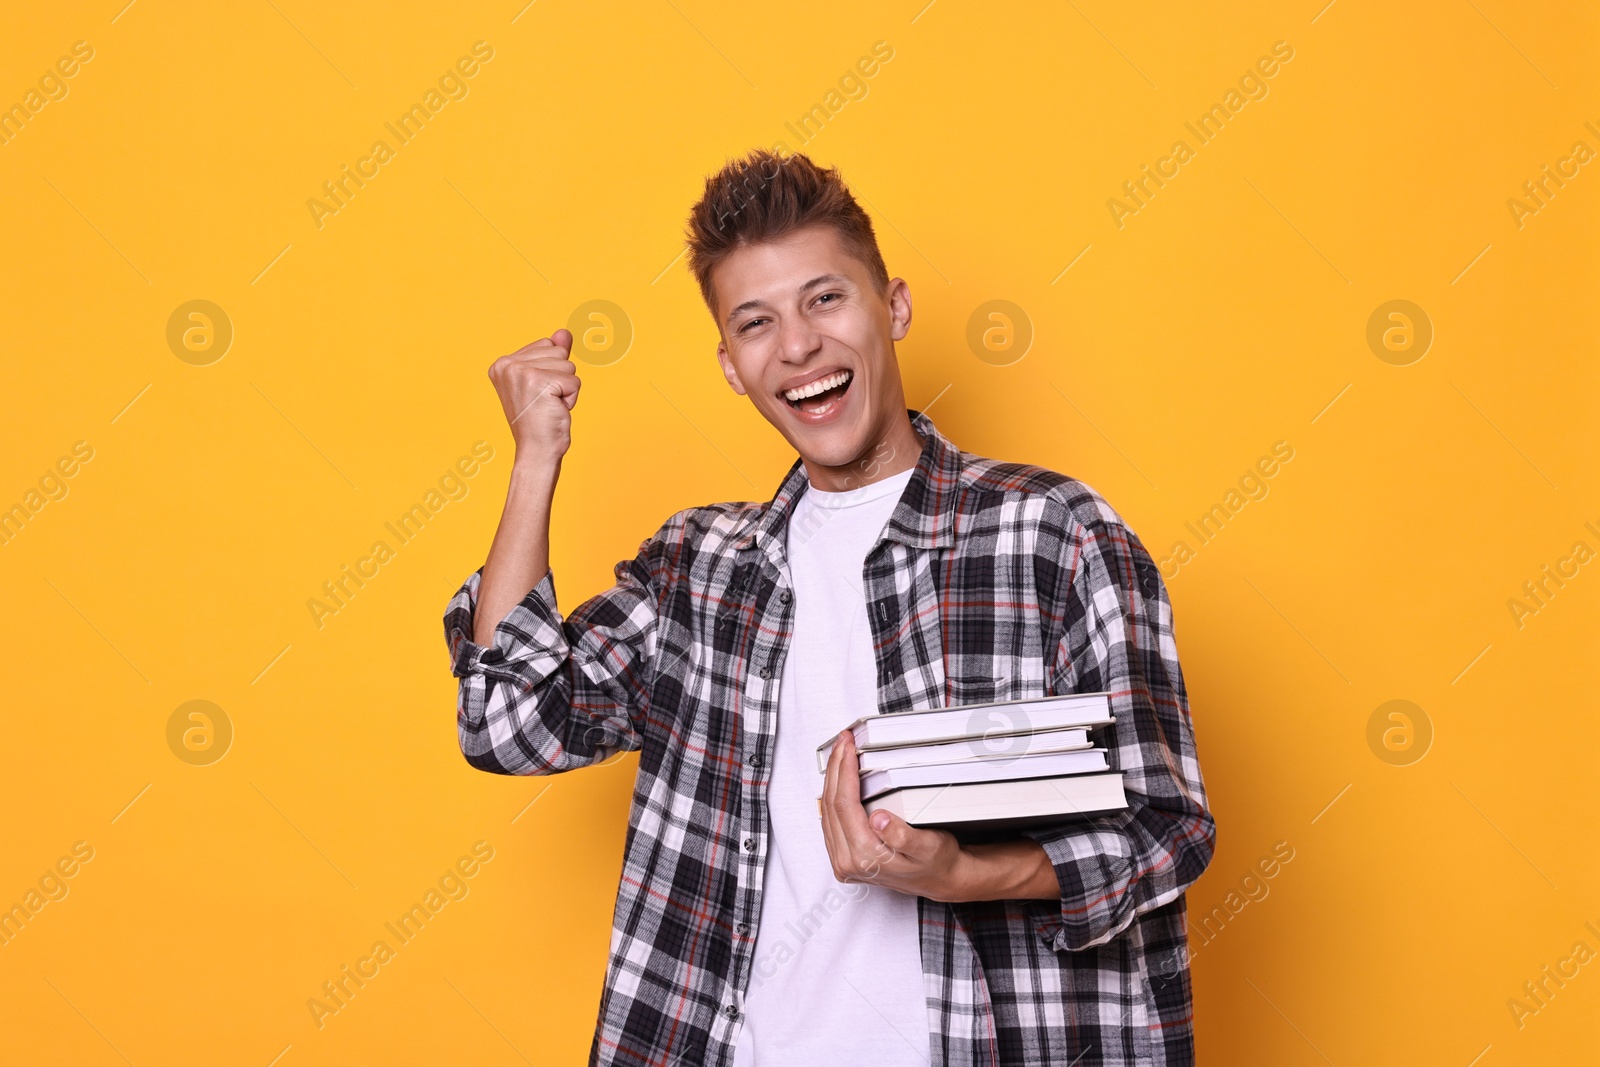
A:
860, 495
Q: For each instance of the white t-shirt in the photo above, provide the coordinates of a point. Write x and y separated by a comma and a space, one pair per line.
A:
837, 972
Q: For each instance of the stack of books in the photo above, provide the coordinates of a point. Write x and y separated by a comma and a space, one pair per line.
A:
981, 769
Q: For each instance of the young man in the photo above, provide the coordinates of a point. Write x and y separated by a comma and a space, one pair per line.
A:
890, 571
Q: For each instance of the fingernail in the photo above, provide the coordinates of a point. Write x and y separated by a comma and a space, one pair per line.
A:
880, 819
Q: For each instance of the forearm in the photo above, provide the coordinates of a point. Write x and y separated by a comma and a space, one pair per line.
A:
547, 691
1005, 870
520, 553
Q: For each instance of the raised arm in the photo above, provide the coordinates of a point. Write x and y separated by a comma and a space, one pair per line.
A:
538, 694
538, 387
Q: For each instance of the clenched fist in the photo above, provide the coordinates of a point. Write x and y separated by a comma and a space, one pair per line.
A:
538, 386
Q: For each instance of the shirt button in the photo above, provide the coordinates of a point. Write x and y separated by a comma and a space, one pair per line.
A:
731, 1012
754, 759
785, 596
741, 929
749, 844
765, 672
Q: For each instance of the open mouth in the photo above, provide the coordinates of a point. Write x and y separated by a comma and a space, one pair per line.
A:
819, 397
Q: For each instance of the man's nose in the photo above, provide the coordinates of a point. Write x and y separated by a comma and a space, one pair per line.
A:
798, 338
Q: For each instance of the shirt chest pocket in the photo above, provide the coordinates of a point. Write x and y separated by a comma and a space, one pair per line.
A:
1011, 663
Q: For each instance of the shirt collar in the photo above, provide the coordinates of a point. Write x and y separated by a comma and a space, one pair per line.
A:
924, 517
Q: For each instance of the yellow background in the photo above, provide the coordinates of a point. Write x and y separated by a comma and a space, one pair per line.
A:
1227, 315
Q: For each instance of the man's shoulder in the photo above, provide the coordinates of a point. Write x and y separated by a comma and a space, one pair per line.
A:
713, 528
1047, 496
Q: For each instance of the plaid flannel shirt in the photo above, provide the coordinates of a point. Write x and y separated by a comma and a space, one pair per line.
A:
991, 581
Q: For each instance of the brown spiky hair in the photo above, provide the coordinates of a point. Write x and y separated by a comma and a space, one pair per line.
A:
765, 196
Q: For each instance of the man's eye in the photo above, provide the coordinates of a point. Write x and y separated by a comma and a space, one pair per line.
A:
825, 296
751, 323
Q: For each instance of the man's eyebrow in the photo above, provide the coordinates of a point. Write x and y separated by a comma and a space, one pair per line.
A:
819, 280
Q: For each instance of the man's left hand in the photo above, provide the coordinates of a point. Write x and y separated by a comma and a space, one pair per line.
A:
885, 850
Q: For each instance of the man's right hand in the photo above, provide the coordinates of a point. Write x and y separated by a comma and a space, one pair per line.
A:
538, 386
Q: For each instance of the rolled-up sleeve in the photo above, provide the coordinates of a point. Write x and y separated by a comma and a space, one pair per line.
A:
552, 694
1113, 624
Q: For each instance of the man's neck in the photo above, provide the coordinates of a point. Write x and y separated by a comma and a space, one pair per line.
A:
896, 449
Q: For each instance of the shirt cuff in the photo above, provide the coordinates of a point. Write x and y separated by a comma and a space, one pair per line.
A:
1094, 867
529, 644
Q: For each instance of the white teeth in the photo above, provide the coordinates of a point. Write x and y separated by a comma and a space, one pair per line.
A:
821, 385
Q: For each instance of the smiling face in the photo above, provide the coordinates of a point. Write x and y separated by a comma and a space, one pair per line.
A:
808, 338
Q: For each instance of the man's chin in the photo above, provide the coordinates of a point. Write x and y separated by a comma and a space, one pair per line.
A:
833, 439
826, 448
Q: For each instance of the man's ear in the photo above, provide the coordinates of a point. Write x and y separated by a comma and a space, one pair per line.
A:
728, 370
899, 300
